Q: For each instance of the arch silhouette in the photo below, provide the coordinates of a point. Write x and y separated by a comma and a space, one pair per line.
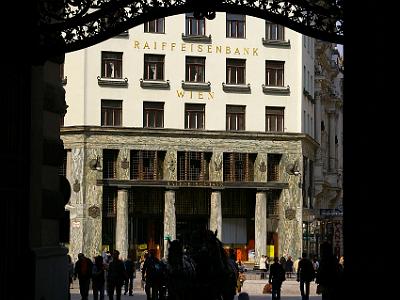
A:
83, 23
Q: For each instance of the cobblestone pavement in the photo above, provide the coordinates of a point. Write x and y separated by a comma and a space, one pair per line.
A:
290, 291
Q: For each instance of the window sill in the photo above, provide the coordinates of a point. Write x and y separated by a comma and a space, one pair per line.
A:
276, 43
123, 82
64, 80
196, 86
196, 38
236, 88
154, 84
276, 90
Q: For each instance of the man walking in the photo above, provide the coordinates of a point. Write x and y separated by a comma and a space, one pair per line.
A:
116, 276
305, 274
83, 270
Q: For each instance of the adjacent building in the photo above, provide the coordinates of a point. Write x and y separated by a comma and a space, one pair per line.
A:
181, 124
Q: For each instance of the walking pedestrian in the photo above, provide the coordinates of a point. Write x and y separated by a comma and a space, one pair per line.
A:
83, 270
116, 276
98, 278
329, 276
131, 273
276, 277
289, 267
305, 274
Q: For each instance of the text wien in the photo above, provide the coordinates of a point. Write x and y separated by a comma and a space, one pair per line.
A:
195, 95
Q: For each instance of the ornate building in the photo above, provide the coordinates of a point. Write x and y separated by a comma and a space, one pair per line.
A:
180, 124
329, 74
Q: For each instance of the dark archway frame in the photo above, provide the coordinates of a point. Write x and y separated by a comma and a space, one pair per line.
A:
83, 23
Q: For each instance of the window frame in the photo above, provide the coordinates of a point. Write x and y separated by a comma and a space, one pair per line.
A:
232, 67
272, 69
274, 31
233, 114
277, 113
147, 26
116, 61
233, 21
189, 65
196, 110
159, 66
111, 114
155, 108
190, 20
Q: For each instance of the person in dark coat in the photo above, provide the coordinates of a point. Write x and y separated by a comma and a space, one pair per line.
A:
329, 274
131, 273
116, 276
276, 277
305, 274
83, 270
98, 278
289, 267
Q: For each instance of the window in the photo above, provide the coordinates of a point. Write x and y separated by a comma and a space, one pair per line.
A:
110, 163
153, 67
274, 73
111, 113
193, 166
273, 161
235, 117
235, 71
274, 31
274, 118
194, 116
239, 166
194, 26
235, 26
153, 114
146, 165
111, 64
195, 69
155, 26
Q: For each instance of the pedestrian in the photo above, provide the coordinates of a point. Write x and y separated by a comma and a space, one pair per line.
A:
98, 278
131, 274
152, 275
329, 277
276, 277
83, 270
289, 267
116, 276
296, 264
263, 265
305, 274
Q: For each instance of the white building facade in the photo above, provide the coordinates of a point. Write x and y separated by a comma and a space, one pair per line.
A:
181, 124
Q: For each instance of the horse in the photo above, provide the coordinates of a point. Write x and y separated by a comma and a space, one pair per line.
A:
205, 271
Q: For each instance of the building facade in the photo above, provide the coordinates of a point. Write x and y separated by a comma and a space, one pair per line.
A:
180, 124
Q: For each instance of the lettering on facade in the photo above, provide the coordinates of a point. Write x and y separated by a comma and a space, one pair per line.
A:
192, 48
195, 95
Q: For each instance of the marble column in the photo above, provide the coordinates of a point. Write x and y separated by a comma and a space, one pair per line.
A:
216, 213
260, 225
169, 219
121, 228
332, 146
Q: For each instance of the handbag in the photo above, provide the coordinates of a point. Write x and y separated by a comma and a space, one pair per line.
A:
267, 288
320, 289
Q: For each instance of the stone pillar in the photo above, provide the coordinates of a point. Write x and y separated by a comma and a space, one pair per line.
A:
121, 230
332, 148
216, 213
169, 218
260, 225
